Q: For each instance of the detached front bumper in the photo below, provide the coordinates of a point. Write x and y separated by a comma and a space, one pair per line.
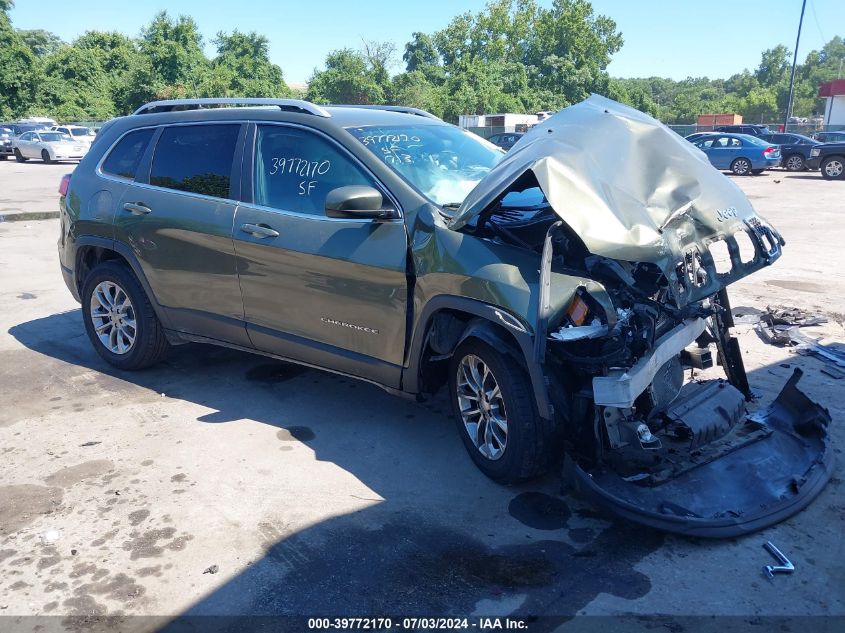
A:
760, 483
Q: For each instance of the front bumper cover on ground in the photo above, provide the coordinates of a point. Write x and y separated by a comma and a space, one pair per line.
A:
759, 484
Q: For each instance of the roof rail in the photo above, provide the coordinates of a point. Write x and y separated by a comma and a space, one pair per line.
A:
292, 105
391, 108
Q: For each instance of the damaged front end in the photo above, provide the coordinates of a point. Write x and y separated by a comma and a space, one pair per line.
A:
638, 237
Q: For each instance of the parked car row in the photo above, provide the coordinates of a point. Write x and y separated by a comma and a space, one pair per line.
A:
40, 140
756, 148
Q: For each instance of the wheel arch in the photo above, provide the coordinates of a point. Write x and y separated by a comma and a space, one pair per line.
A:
92, 250
446, 321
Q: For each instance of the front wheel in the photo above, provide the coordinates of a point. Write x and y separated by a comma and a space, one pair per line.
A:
497, 420
45, 156
119, 318
794, 162
833, 167
741, 167
19, 157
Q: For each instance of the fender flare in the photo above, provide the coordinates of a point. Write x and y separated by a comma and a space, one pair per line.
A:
486, 324
127, 254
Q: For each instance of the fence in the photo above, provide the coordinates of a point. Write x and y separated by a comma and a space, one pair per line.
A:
807, 129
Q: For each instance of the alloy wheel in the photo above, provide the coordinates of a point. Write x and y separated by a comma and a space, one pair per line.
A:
795, 163
834, 168
741, 167
113, 317
482, 407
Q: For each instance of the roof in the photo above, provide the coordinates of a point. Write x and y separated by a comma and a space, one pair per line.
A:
832, 88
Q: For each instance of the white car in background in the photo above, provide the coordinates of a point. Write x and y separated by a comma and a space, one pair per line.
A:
76, 132
49, 146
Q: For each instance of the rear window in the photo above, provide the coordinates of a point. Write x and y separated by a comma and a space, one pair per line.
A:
124, 159
195, 158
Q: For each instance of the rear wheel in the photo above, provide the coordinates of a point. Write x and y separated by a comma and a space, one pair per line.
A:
794, 162
119, 318
496, 416
833, 167
741, 167
45, 156
19, 157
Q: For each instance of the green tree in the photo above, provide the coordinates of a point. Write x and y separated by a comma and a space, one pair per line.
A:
242, 68
347, 78
41, 42
174, 51
20, 73
76, 86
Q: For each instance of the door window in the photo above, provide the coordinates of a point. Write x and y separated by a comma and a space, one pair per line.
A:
124, 159
295, 170
195, 158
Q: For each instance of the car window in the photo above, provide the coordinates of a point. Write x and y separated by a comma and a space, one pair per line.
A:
195, 158
706, 144
294, 170
734, 142
125, 157
495, 138
722, 141
26, 137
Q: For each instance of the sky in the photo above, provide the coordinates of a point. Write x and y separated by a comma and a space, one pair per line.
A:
667, 38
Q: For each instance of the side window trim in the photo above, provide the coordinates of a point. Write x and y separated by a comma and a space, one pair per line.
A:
248, 172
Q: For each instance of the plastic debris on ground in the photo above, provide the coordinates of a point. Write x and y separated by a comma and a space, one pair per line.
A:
782, 326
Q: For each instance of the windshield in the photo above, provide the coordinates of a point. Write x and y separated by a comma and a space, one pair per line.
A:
80, 131
443, 162
52, 137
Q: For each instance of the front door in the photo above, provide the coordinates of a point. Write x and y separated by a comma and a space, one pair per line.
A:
177, 217
329, 292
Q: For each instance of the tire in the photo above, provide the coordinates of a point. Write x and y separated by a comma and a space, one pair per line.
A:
741, 166
149, 344
833, 168
794, 162
19, 157
45, 156
530, 444
4, 156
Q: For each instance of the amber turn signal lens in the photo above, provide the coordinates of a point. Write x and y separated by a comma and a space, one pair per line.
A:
578, 310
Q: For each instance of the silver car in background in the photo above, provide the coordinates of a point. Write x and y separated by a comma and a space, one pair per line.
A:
48, 146
76, 132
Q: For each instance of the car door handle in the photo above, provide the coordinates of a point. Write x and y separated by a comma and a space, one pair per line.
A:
136, 208
259, 230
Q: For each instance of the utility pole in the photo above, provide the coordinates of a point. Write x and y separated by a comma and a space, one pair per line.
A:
794, 61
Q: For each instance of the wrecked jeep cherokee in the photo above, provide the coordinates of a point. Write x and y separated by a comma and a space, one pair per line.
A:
558, 291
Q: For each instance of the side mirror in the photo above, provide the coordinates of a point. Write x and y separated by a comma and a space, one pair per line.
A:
357, 201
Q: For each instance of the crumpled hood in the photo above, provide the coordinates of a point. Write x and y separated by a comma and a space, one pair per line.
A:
630, 188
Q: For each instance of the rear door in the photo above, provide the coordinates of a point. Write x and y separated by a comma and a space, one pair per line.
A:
25, 144
719, 152
330, 292
177, 216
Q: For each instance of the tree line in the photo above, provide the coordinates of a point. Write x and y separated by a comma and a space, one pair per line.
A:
513, 56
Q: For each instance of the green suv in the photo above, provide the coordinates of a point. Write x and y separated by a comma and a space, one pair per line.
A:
557, 292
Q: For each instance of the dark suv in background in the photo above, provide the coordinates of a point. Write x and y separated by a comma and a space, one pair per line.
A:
745, 128
552, 294
829, 158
